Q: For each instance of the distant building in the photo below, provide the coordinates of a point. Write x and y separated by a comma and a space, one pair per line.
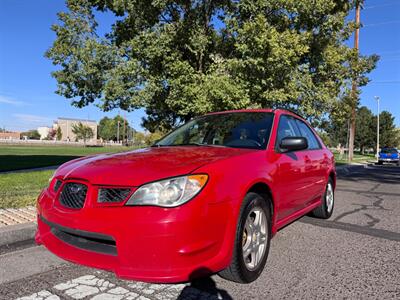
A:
66, 125
10, 135
44, 132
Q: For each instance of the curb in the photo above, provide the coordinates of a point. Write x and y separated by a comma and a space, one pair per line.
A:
18, 233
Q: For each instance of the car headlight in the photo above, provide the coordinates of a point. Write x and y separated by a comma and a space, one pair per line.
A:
169, 192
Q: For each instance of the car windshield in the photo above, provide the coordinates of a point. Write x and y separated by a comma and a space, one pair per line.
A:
239, 130
389, 151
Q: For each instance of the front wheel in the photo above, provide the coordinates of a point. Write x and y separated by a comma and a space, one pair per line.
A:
325, 210
252, 241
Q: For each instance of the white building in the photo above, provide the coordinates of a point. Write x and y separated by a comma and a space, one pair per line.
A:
44, 132
66, 125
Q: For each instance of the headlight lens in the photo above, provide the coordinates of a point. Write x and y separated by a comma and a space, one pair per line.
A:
169, 192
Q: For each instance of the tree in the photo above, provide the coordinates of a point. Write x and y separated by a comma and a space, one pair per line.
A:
109, 128
152, 137
31, 135
59, 134
397, 133
52, 134
82, 132
180, 59
388, 134
366, 129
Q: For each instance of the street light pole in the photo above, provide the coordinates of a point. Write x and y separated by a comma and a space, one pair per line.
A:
377, 128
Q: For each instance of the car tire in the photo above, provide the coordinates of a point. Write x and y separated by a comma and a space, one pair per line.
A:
325, 210
254, 209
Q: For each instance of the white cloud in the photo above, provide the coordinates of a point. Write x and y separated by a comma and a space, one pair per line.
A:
11, 101
32, 119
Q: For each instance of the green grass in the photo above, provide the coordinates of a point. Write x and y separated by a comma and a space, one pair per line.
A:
21, 189
26, 157
358, 158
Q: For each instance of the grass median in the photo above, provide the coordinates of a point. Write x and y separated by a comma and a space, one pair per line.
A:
358, 158
21, 189
27, 157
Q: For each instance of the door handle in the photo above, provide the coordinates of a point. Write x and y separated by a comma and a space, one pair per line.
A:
307, 159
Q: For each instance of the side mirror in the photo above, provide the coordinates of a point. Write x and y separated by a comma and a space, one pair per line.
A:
293, 144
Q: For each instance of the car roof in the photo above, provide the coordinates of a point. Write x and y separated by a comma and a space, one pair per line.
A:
271, 110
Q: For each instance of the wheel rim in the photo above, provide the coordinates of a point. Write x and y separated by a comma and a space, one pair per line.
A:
329, 198
254, 239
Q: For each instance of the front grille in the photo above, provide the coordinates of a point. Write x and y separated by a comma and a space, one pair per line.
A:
73, 195
112, 195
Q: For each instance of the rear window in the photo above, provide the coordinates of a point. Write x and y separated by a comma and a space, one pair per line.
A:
389, 151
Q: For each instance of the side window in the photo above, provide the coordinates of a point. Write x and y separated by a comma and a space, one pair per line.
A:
309, 135
287, 127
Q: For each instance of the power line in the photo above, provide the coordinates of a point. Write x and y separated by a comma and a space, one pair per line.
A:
386, 81
382, 23
379, 6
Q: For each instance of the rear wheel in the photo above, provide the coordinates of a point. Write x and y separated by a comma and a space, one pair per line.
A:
325, 210
252, 241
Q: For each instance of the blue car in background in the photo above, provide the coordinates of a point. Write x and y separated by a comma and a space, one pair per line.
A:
390, 155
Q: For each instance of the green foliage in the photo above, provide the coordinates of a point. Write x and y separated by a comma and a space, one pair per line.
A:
108, 129
59, 134
365, 129
171, 58
366, 133
82, 132
31, 135
151, 138
388, 133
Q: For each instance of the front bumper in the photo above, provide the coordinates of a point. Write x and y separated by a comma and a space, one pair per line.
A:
393, 160
150, 244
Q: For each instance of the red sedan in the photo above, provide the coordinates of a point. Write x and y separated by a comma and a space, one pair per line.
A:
206, 198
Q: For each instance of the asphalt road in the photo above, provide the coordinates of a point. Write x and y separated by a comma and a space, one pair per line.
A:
354, 255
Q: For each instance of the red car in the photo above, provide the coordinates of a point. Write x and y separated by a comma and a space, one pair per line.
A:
206, 198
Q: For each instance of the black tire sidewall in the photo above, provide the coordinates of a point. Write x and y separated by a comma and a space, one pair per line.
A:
324, 204
252, 200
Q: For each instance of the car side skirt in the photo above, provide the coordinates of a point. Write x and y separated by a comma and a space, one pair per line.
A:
293, 217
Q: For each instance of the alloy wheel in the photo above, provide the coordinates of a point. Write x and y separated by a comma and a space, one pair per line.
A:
254, 238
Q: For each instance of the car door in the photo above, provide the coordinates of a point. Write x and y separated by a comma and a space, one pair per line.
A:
291, 180
315, 160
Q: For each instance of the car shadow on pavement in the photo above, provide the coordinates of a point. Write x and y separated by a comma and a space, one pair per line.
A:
202, 286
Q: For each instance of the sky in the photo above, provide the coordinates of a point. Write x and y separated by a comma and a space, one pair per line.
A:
27, 91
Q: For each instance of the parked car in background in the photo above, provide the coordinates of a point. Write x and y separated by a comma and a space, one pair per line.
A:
389, 155
206, 198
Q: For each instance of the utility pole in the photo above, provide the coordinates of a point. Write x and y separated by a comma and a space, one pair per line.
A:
377, 129
354, 88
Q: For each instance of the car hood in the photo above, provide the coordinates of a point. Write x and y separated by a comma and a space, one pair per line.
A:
389, 155
137, 167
